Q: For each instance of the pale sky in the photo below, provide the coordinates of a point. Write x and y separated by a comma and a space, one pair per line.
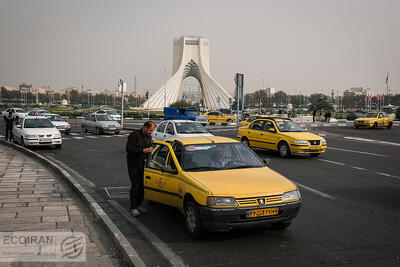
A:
306, 46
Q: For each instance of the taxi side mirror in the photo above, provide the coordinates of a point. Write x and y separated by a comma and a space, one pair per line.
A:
168, 169
18, 126
272, 130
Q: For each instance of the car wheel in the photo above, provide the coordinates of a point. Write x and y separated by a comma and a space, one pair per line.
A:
22, 142
229, 120
192, 217
280, 225
58, 146
97, 130
390, 125
314, 155
245, 141
374, 126
67, 133
284, 150
116, 132
84, 129
357, 127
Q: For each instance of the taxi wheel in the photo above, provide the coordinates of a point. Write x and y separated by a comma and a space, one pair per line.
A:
390, 125
97, 130
229, 120
284, 150
245, 141
192, 217
374, 126
280, 226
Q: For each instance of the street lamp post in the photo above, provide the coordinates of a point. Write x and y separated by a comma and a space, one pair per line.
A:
165, 87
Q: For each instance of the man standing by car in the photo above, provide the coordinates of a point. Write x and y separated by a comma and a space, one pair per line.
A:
139, 147
9, 125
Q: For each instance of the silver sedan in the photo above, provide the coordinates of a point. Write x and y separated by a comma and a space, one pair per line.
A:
100, 123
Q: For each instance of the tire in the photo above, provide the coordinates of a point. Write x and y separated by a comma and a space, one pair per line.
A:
245, 141
357, 127
23, 142
314, 155
67, 133
192, 219
229, 120
84, 129
280, 226
98, 130
284, 150
59, 146
116, 132
390, 125
374, 126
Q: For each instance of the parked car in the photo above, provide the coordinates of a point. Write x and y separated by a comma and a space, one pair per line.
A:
374, 120
36, 131
242, 193
16, 112
100, 123
114, 115
59, 122
282, 135
354, 115
179, 128
214, 116
251, 119
38, 112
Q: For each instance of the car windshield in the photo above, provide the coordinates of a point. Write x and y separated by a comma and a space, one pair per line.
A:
42, 111
111, 112
38, 123
55, 117
190, 127
288, 126
371, 115
191, 112
103, 118
19, 110
211, 157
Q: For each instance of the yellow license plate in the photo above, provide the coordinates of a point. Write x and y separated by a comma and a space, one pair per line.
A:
262, 212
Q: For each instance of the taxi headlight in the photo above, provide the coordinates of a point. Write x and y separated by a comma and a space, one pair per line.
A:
67, 125
303, 142
323, 141
368, 121
31, 136
221, 201
291, 195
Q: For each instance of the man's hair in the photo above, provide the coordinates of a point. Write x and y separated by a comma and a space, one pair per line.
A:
149, 124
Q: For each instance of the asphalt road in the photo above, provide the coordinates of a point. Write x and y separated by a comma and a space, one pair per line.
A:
350, 213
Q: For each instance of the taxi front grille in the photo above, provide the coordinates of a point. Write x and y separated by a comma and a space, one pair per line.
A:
254, 201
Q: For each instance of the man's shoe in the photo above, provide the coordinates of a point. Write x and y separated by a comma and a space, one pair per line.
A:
142, 210
135, 212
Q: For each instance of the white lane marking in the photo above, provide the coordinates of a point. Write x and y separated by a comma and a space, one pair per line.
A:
162, 247
322, 134
360, 152
371, 140
358, 168
105, 188
388, 175
107, 136
74, 134
333, 162
91, 136
315, 191
78, 137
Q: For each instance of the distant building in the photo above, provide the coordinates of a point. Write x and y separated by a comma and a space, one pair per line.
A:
270, 91
357, 91
25, 88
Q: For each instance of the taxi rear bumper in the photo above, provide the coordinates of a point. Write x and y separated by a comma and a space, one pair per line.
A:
225, 219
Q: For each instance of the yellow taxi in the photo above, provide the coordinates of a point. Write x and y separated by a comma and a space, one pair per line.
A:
251, 119
219, 184
374, 120
282, 135
213, 116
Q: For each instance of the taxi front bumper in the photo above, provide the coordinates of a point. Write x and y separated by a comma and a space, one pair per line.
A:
307, 149
225, 219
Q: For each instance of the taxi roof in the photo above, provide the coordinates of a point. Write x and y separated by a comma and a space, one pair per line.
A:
203, 140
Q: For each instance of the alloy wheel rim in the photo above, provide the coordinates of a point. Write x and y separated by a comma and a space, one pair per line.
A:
190, 219
283, 150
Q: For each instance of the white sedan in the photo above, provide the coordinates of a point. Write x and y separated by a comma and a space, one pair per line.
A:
36, 131
59, 122
179, 128
16, 112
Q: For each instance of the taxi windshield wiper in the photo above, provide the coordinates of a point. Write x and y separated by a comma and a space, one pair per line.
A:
244, 166
202, 168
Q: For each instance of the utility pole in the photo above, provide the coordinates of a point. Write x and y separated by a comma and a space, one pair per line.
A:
122, 84
134, 91
165, 87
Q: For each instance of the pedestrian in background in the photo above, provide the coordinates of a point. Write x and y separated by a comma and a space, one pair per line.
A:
314, 114
139, 147
9, 126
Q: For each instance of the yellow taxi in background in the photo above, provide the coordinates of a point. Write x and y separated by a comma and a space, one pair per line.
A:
374, 120
251, 119
219, 184
282, 135
212, 116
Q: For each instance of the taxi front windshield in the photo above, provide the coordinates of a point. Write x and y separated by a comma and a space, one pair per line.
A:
288, 126
103, 118
371, 115
38, 123
190, 127
212, 157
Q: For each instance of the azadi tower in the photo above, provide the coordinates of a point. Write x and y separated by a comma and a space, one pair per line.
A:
191, 58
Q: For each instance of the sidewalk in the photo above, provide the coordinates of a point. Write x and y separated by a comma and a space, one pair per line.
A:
33, 199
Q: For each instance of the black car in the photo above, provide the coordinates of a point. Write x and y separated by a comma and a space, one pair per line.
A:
354, 115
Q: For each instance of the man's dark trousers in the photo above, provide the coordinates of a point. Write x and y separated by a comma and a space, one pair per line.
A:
9, 133
136, 173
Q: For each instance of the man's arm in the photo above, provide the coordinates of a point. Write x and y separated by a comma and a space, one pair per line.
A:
132, 145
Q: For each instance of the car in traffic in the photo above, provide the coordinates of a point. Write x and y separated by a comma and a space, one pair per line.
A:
242, 193
16, 112
215, 116
113, 114
374, 120
99, 124
179, 128
37, 112
354, 115
281, 135
36, 131
59, 122
251, 119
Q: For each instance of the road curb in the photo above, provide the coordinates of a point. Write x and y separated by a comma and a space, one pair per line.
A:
130, 254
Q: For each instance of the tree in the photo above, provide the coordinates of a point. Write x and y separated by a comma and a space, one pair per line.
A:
181, 104
280, 98
320, 102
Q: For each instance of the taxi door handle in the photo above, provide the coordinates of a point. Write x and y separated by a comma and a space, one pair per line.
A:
261, 134
248, 131
148, 177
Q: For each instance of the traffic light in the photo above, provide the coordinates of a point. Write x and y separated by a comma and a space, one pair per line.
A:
147, 95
